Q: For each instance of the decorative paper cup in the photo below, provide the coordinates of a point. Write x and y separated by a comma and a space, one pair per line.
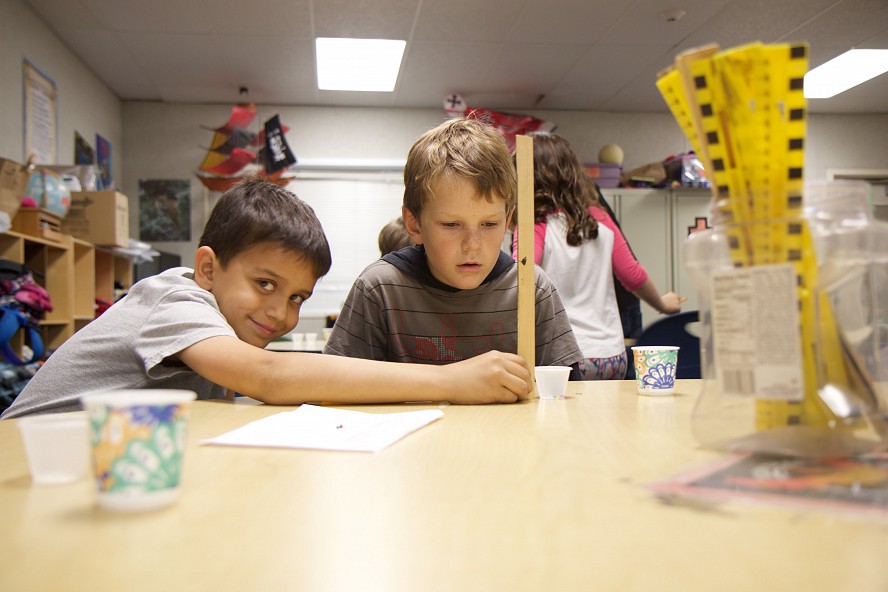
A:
655, 368
57, 446
138, 443
551, 381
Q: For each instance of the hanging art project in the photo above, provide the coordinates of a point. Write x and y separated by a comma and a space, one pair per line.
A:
237, 152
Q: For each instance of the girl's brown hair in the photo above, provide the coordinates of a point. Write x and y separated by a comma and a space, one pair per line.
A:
560, 183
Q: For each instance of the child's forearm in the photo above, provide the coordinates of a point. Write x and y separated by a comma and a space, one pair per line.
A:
291, 378
492, 378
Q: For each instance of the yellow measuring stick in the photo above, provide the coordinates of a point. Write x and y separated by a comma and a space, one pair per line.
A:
747, 122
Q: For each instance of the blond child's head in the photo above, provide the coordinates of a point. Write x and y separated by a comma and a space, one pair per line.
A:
459, 194
465, 148
261, 253
393, 236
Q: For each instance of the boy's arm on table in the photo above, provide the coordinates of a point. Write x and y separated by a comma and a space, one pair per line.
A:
293, 378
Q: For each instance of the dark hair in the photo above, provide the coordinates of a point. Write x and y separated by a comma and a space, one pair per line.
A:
460, 147
561, 183
256, 211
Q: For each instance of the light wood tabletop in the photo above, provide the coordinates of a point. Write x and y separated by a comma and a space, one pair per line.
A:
539, 495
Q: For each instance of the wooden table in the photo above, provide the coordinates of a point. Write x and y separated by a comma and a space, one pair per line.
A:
536, 496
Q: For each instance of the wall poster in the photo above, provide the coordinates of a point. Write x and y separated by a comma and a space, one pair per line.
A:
164, 210
40, 115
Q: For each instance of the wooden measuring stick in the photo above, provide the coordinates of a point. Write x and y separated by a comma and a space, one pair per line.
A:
526, 281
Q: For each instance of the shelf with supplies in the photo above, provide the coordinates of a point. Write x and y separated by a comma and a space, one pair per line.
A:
74, 272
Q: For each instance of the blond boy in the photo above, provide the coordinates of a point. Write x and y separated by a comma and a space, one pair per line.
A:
454, 295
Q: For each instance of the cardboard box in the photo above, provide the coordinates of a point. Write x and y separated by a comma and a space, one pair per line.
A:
98, 217
13, 180
38, 222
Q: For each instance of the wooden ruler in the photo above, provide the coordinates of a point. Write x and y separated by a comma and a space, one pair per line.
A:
526, 280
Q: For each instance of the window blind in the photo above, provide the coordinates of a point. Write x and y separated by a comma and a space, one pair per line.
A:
352, 208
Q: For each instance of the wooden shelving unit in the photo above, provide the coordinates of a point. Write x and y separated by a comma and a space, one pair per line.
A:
74, 272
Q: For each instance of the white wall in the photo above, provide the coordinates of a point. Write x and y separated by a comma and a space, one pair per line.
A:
165, 141
84, 103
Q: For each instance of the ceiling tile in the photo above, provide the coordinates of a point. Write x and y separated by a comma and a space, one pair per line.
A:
283, 61
173, 60
72, 14
435, 70
156, 16
531, 68
112, 62
642, 23
565, 21
457, 21
607, 68
392, 19
500, 54
274, 18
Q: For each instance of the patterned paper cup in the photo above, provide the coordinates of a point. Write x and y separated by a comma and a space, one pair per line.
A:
138, 443
655, 369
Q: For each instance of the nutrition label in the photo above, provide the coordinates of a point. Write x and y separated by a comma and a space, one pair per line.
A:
755, 330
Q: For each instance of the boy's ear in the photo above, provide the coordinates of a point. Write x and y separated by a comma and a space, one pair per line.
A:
205, 264
412, 225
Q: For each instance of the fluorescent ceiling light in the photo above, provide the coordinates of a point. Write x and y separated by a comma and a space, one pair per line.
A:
358, 64
846, 71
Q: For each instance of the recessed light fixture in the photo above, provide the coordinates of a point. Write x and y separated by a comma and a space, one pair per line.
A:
358, 64
845, 71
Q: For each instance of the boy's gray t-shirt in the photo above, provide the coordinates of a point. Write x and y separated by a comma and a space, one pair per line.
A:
397, 311
129, 347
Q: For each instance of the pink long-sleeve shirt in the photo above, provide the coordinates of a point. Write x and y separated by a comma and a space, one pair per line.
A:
583, 276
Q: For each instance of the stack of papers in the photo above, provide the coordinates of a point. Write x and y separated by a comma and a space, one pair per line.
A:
328, 428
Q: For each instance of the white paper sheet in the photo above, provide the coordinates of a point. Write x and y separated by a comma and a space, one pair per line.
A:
328, 428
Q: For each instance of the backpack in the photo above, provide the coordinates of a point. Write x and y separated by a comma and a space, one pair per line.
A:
23, 302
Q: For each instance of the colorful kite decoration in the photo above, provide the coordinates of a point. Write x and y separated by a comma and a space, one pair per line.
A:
237, 152
507, 124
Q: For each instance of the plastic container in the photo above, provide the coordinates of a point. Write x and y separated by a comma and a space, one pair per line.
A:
794, 328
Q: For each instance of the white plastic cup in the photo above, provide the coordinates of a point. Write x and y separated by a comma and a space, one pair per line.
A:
138, 444
57, 446
311, 340
551, 381
297, 337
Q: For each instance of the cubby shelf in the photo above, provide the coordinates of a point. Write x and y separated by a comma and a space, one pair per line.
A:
74, 272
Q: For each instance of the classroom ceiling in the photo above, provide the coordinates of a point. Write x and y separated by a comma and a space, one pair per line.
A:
507, 55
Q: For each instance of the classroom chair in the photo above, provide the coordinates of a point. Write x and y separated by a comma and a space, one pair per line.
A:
672, 330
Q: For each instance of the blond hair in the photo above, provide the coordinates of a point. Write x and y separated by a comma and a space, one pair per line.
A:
465, 148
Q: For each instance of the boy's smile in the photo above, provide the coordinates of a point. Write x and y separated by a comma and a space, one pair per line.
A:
462, 232
261, 290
